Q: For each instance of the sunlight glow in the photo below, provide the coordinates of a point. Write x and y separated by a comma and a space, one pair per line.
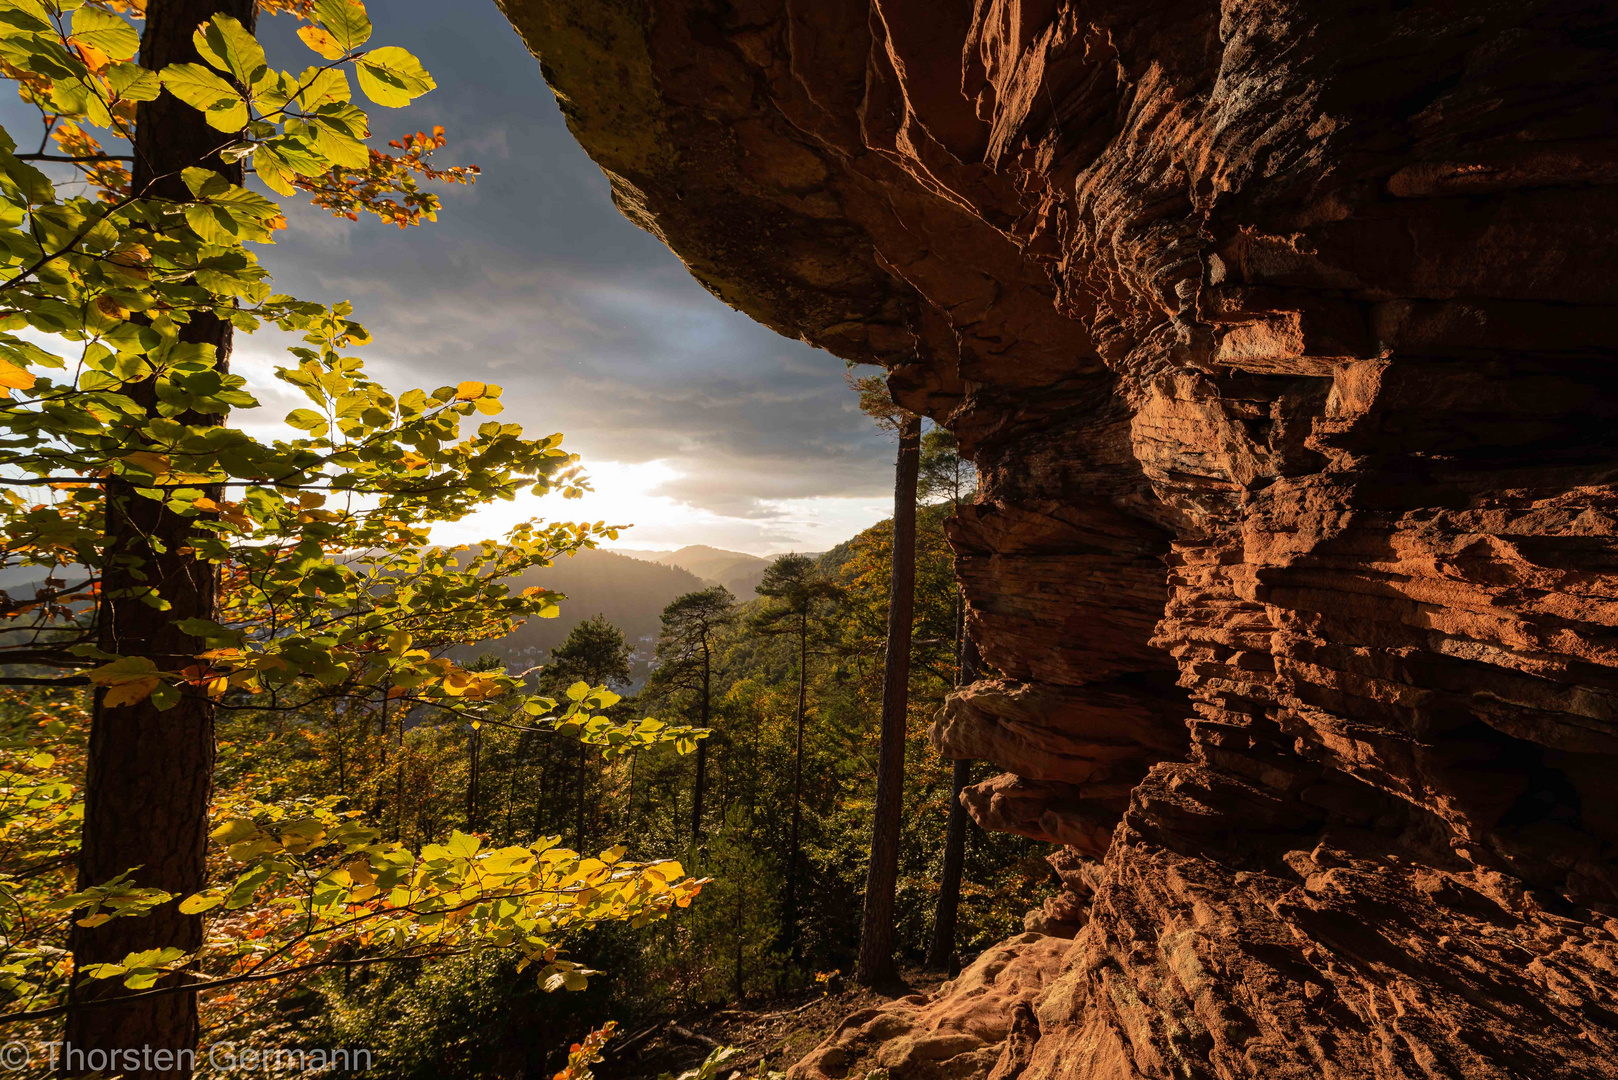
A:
627, 494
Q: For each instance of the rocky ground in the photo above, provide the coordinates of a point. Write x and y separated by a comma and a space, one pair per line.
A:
771, 1033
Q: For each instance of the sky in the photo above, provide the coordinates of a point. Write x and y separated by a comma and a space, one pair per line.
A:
697, 425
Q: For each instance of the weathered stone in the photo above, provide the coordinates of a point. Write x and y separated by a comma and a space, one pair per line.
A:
1282, 333
1091, 734
1082, 817
961, 1031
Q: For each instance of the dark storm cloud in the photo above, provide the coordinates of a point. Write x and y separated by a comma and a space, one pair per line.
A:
533, 280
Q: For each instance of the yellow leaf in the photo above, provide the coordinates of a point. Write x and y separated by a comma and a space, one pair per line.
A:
146, 461
321, 42
469, 391
201, 901
132, 692
234, 830
128, 680
13, 377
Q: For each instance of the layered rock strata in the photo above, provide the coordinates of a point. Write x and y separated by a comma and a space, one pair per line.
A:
972, 1024
1282, 333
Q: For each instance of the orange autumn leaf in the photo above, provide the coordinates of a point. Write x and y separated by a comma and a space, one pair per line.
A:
13, 377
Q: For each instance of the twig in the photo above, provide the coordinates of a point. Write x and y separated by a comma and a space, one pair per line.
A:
791, 1012
691, 1036
82, 157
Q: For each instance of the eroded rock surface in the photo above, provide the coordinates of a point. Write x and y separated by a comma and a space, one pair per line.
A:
1283, 334
982, 1022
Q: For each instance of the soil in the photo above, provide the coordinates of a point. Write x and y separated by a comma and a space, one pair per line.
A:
772, 1033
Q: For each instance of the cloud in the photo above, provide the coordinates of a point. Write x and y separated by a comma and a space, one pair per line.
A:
533, 280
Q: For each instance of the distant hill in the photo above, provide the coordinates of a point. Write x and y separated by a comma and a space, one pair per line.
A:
631, 593
735, 570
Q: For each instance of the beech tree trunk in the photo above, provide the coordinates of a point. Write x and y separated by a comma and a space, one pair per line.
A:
149, 773
882, 876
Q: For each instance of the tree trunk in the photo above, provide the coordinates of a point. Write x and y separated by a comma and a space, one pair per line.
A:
702, 752
882, 876
578, 814
941, 953
474, 746
399, 779
789, 909
739, 990
149, 773
634, 759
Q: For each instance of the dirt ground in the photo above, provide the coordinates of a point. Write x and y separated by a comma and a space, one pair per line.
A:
772, 1033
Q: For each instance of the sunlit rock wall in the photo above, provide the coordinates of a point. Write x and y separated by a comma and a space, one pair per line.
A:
1283, 333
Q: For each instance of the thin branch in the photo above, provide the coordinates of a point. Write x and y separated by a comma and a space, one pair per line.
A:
78, 158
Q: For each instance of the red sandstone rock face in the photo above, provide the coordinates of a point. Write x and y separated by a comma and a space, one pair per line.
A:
978, 1020
1282, 332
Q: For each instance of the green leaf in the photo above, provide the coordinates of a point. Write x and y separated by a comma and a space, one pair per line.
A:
324, 86
392, 77
102, 971
22, 181
305, 420
578, 691
105, 31
27, 16
134, 83
346, 21
207, 628
228, 46
221, 104
274, 170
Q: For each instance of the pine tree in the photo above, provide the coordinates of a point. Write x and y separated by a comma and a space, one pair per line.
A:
596, 653
882, 874
798, 599
686, 657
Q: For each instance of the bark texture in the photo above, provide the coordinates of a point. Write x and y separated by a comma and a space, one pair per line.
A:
1281, 332
149, 774
887, 817
941, 954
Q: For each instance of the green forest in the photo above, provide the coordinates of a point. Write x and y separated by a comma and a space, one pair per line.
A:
282, 771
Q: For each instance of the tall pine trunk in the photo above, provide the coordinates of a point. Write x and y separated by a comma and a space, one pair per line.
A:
474, 749
702, 751
149, 773
578, 810
941, 952
882, 876
789, 909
